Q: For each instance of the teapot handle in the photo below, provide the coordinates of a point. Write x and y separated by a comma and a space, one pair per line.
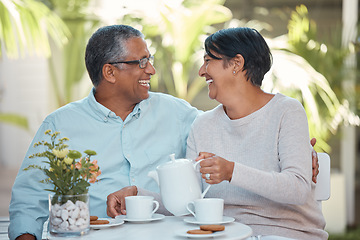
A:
206, 190
195, 164
208, 187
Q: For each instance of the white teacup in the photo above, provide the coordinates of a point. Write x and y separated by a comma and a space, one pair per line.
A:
207, 209
140, 207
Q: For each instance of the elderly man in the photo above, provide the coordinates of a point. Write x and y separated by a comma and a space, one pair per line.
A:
131, 129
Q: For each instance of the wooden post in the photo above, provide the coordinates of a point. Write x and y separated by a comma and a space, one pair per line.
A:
348, 140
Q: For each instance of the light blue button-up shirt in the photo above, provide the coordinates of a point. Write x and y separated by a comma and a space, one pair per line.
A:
126, 152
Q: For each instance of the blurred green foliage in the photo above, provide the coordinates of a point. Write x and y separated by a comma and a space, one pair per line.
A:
67, 66
328, 105
26, 27
352, 234
15, 119
176, 31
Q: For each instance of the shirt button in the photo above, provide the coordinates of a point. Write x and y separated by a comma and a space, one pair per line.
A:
133, 179
128, 156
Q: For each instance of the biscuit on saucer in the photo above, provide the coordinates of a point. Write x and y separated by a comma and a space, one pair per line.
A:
212, 227
199, 231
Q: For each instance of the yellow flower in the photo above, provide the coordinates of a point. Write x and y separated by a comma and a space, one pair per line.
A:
60, 153
62, 162
68, 160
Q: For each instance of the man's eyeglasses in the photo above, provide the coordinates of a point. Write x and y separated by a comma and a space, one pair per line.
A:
142, 62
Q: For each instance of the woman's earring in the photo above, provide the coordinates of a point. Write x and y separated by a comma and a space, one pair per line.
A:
234, 72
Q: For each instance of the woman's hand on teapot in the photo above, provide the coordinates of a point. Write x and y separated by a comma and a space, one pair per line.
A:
115, 204
215, 169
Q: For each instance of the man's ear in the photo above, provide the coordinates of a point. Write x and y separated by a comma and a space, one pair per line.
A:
239, 63
108, 72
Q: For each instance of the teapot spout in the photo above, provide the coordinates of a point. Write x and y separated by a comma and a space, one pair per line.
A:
154, 175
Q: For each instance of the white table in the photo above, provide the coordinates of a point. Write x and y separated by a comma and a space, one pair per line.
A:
164, 229
4, 223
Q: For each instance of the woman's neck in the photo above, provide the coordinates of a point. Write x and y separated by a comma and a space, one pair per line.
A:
246, 103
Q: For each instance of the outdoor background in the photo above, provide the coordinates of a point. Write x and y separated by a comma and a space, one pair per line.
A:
315, 45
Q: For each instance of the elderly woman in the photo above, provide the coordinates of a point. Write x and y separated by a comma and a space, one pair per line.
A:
255, 144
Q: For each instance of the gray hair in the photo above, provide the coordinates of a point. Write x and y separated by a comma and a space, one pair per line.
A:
106, 45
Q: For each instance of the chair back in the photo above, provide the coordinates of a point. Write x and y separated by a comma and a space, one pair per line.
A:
322, 189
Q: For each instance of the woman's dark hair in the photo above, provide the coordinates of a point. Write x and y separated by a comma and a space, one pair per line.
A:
106, 45
244, 41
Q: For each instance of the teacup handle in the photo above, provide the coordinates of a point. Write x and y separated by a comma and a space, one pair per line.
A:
188, 208
156, 206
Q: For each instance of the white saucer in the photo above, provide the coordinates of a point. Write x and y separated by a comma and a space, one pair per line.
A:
155, 217
194, 221
112, 223
183, 233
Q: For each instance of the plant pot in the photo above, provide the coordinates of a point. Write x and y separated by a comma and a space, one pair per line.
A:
69, 215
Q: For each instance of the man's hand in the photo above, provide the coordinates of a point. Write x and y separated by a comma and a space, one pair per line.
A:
26, 237
116, 201
315, 161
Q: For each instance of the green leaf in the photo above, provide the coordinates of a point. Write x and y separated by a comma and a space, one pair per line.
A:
74, 154
25, 26
90, 152
14, 119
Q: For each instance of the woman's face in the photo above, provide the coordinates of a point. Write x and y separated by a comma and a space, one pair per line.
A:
220, 79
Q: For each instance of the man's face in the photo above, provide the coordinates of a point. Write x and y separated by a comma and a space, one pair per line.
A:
133, 82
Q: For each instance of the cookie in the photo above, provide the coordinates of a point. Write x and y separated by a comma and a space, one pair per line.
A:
198, 231
93, 218
212, 227
99, 222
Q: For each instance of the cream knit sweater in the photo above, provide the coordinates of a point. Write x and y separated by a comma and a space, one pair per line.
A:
271, 188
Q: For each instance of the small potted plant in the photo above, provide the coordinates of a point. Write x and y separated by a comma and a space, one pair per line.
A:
71, 175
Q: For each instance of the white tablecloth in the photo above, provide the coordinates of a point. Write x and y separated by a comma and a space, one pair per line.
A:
165, 229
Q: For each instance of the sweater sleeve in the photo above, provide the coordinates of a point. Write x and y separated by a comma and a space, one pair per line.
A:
292, 184
190, 147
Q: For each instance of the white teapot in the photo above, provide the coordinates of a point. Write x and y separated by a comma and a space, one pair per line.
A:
179, 184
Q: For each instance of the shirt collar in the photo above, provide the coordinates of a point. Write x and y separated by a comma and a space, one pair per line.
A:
104, 113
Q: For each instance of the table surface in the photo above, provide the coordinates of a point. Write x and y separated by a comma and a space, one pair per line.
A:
164, 229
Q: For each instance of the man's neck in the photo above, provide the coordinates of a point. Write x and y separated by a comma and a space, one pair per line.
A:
120, 107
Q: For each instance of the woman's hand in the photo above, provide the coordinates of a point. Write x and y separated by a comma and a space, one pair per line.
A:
215, 169
315, 161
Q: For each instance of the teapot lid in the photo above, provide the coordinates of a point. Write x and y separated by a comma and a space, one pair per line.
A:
174, 163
